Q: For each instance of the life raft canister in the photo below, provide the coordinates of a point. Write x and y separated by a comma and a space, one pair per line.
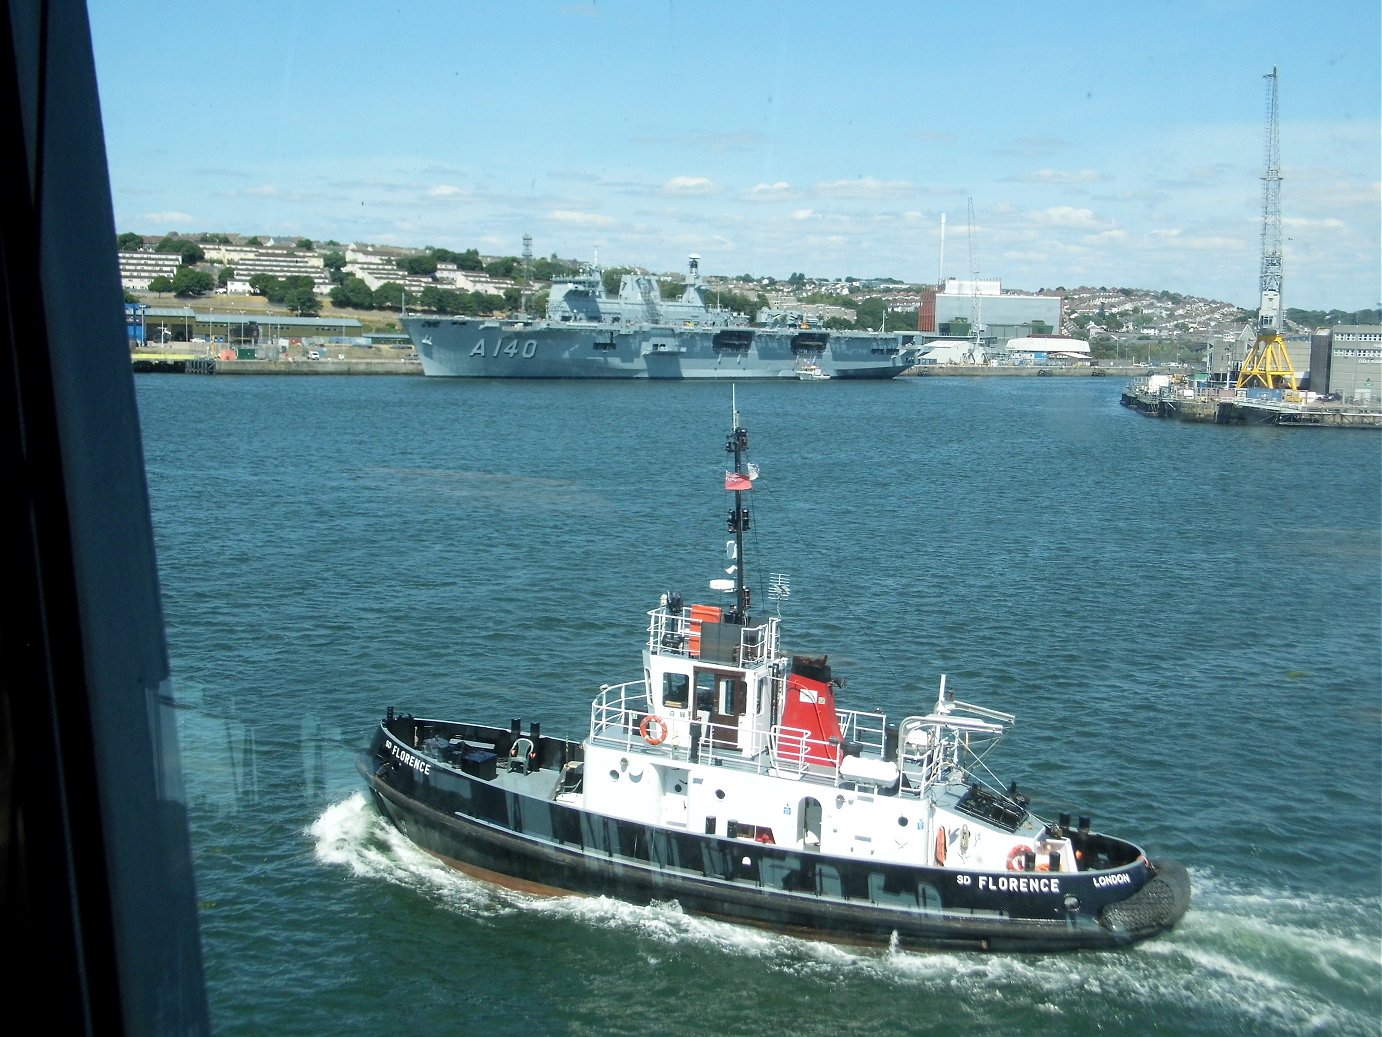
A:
646, 729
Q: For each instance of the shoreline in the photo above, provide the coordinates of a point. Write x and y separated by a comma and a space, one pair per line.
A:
185, 364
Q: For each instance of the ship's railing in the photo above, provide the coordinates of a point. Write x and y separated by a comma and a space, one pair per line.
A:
680, 633
863, 731
618, 710
859, 755
943, 746
618, 713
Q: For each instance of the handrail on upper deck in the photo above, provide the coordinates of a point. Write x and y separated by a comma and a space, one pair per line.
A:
678, 633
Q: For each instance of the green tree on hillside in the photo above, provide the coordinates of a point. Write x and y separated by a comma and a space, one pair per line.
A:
352, 293
190, 251
277, 289
189, 281
748, 305
161, 285
872, 313
467, 260
129, 242
424, 265
302, 301
549, 269
388, 296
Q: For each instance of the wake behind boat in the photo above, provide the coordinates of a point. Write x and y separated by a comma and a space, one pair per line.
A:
727, 778
637, 334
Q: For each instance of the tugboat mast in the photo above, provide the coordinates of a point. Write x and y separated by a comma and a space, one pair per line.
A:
737, 444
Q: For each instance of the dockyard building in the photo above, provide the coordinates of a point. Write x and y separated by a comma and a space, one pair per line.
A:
980, 310
1347, 360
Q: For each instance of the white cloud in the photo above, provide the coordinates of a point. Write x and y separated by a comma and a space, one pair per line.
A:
443, 191
264, 191
690, 185
769, 192
169, 218
1066, 216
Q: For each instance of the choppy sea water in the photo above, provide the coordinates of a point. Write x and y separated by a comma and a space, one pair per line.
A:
1187, 621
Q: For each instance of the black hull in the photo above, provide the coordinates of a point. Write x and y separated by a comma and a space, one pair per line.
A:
551, 847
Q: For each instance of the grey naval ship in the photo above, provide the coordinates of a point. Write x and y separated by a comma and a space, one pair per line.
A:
588, 333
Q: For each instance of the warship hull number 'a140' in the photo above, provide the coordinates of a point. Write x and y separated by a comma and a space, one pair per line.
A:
638, 334
726, 778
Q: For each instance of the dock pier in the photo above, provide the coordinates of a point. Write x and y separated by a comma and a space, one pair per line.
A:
1217, 405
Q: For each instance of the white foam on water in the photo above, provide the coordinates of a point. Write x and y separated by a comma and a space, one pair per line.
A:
352, 834
1256, 959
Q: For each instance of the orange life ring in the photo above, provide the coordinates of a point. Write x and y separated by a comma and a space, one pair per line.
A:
940, 845
646, 726
1017, 857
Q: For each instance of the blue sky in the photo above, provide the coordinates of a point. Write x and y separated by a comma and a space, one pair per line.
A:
1097, 143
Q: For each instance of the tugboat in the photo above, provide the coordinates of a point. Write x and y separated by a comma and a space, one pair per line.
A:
726, 778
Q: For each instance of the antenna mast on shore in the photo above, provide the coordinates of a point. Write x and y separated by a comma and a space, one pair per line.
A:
940, 273
1267, 363
527, 269
975, 310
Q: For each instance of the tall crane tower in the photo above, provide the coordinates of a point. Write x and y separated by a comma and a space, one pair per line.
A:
1267, 363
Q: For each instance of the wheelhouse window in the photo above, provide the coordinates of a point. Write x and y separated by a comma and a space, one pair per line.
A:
676, 688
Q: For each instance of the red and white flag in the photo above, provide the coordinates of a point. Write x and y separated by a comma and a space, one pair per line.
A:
736, 481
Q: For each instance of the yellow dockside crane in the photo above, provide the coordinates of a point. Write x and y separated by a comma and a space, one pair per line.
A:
1267, 364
